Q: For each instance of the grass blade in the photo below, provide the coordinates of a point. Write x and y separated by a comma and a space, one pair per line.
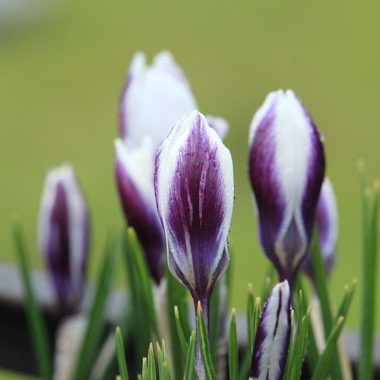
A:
323, 295
151, 363
189, 373
178, 323
121, 355
35, 320
95, 325
233, 348
323, 365
370, 261
181, 334
204, 345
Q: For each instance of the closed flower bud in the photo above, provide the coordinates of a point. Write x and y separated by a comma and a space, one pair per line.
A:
326, 218
64, 236
134, 166
194, 193
286, 169
154, 98
272, 336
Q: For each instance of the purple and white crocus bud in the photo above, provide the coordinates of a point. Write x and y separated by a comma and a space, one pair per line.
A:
326, 218
286, 170
64, 236
134, 166
154, 98
195, 194
272, 336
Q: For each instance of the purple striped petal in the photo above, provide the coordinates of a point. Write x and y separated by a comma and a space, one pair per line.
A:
326, 218
286, 169
194, 194
134, 178
64, 235
272, 337
153, 99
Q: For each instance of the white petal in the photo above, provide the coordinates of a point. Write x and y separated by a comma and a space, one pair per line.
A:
156, 98
138, 164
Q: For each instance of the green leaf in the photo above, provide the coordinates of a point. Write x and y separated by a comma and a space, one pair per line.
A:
36, 323
204, 344
214, 319
163, 370
145, 372
300, 342
324, 363
250, 308
178, 323
94, 329
144, 277
254, 316
121, 355
321, 287
345, 304
312, 353
189, 373
180, 332
233, 348
291, 349
370, 201
151, 363
143, 318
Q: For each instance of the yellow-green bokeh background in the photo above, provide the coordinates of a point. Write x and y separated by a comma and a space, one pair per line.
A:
61, 77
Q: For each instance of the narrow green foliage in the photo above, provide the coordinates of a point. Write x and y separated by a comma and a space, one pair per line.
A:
256, 316
345, 304
323, 366
321, 287
144, 278
177, 296
293, 338
250, 313
163, 370
300, 343
121, 355
233, 348
204, 345
145, 372
166, 372
151, 363
253, 318
94, 329
215, 314
370, 201
312, 352
181, 335
143, 315
189, 373
36, 324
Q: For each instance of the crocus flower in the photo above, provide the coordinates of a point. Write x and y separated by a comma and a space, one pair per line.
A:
286, 169
272, 336
195, 193
64, 235
326, 219
154, 98
134, 166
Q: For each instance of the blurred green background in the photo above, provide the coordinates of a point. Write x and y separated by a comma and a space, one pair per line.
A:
61, 77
